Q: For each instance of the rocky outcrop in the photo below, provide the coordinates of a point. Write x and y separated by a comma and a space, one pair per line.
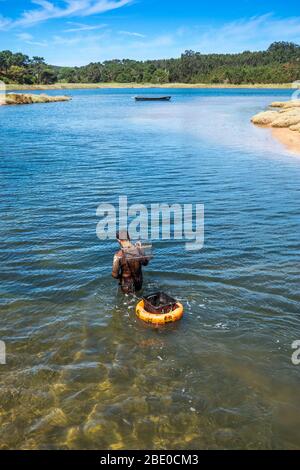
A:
287, 116
265, 118
286, 120
18, 98
286, 104
295, 128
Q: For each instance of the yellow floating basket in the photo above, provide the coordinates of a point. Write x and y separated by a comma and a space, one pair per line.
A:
159, 318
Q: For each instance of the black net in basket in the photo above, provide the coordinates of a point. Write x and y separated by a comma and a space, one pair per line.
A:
159, 303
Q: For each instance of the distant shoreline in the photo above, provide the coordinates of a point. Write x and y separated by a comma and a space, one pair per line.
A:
75, 86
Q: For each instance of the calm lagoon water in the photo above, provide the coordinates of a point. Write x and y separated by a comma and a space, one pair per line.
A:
82, 371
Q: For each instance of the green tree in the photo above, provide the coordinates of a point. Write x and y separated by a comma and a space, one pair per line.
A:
6, 60
47, 77
160, 76
279, 63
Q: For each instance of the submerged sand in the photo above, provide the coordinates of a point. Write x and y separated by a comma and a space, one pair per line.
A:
284, 120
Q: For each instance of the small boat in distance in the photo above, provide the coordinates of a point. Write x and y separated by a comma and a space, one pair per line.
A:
153, 98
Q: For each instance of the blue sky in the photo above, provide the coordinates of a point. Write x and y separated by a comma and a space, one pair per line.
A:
76, 32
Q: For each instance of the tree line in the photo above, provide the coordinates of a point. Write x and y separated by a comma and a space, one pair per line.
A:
280, 63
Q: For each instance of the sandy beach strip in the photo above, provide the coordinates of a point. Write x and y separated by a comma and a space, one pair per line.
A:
74, 86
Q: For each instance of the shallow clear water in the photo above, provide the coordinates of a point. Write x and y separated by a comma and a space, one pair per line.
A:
82, 371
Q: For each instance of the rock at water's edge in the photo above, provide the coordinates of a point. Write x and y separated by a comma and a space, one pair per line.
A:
264, 118
287, 116
20, 98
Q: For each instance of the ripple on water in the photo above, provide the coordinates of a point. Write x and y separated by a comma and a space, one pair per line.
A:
83, 371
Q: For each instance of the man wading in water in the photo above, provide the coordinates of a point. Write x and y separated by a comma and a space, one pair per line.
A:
127, 264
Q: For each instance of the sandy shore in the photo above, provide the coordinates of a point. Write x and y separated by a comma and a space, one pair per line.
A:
283, 118
74, 86
290, 139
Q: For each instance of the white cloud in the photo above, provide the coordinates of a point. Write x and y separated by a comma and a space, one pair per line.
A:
4, 23
248, 33
63, 41
25, 36
159, 41
87, 44
255, 33
29, 39
71, 8
104, 5
81, 40
82, 49
38, 43
133, 34
78, 27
